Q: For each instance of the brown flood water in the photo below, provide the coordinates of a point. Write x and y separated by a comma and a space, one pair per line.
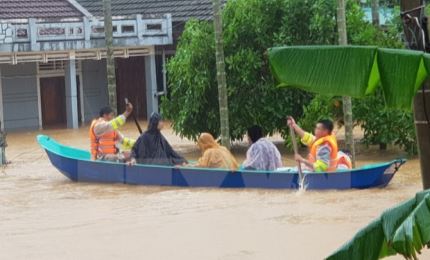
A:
43, 215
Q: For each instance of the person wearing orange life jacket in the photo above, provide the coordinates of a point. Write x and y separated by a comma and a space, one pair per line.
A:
105, 137
344, 160
323, 155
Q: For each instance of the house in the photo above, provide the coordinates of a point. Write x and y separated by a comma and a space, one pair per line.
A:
52, 57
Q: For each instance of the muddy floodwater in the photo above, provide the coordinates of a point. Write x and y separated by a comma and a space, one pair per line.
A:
43, 215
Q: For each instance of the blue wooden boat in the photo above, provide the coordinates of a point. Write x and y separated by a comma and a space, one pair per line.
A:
76, 165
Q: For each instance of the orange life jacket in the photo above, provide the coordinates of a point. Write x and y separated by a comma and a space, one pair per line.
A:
331, 141
344, 160
104, 144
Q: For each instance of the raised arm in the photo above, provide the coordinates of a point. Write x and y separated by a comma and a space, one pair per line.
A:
292, 123
114, 124
305, 137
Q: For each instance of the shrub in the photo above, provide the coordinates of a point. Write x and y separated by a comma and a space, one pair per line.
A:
383, 126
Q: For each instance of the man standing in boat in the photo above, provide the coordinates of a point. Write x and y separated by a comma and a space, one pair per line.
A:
105, 137
323, 146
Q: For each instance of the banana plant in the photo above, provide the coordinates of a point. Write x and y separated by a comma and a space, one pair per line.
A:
354, 71
404, 230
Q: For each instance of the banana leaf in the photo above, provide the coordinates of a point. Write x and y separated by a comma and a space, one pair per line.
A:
426, 58
353, 71
404, 229
334, 70
402, 73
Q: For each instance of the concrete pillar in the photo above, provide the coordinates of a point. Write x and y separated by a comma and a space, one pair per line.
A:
71, 95
151, 84
139, 24
33, 33
87, 32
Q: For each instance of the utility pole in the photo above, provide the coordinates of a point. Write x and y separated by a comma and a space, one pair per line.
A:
411, 15
347, 103
375, 12
221, 78
110, 59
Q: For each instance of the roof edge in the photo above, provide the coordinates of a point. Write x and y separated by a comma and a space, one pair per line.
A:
80, 8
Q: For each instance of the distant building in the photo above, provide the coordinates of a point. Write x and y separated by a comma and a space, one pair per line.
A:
386, 15
52, 57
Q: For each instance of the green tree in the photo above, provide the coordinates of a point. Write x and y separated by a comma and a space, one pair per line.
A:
370, 113
249, 27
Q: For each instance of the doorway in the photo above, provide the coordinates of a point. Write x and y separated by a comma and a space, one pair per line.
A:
130, 81
53, 102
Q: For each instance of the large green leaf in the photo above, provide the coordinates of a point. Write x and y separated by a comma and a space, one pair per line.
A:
426, 58
346, 70
404, 229
352, 71
366, 244
414, 232
402, 73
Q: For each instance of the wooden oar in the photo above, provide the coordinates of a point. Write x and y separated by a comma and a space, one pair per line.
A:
296, 151
134, 118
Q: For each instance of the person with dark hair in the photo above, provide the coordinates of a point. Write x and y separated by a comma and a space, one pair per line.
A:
152, 148
106, 138
262, 154
323, 146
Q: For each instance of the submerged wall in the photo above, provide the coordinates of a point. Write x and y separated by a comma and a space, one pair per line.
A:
20, 99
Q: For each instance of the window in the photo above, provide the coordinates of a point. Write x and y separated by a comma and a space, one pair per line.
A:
127, 28
55, 67
21, 33
154, 26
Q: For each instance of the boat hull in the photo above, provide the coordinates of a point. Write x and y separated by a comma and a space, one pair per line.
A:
75, 165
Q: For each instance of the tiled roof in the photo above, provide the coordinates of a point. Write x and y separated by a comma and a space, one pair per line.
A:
181, 10
21, 9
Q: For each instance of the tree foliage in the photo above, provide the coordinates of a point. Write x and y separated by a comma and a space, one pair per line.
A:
250, 27
381, 126
385, 126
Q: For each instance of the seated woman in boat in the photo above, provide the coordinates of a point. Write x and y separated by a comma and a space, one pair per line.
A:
214, 155
152, 148
105, 136
263, 154
323, 146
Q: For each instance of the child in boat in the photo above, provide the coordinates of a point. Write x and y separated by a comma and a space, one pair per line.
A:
105, 137
262, 154
323, 146
214, 155
152, 148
